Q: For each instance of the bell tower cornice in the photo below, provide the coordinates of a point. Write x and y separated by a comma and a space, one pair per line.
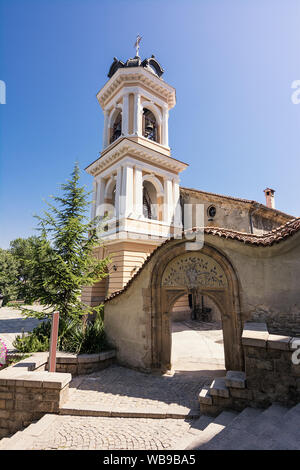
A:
127, 147
132, 76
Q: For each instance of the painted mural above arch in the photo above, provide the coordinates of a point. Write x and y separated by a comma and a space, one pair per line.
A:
191, 270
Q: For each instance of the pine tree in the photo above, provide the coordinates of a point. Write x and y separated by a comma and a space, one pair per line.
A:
8, 276
63, 262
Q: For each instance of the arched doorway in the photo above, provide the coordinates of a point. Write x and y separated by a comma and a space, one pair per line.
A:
197, 335
206, 272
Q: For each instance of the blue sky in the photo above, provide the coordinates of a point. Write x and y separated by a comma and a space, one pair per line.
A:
232, 63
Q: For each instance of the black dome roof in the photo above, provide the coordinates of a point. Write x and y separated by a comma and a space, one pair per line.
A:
149, 64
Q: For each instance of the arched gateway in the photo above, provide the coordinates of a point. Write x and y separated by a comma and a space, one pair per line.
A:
204, 272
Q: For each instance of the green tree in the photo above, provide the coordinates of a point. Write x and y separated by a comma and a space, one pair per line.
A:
23, 250
63, 261
8, 276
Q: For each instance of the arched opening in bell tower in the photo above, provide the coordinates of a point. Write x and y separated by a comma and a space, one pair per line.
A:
150, 127
110, 199
116, 129
149, 201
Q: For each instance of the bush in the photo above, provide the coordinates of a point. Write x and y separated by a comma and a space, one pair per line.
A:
33, 342
85, 338
76, 336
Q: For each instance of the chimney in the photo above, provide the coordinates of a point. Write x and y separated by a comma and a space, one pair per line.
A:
270, 198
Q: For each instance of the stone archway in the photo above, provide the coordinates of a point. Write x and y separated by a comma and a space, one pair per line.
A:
208, 271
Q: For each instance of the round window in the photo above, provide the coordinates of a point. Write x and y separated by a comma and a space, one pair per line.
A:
211, 211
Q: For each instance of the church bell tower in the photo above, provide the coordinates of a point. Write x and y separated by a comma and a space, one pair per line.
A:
136, 181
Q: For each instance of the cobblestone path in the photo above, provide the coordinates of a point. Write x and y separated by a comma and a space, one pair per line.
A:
118, 389
119, 408
91, 433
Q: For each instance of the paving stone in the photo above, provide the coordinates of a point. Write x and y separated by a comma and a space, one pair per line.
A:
119, 388
76, 432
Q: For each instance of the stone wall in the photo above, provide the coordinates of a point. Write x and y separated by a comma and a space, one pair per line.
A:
27, 393
234, 213
271, 374
268, 282
284, 321
83, 363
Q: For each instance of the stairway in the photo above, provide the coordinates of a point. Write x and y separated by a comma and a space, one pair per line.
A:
19, 439
275, 428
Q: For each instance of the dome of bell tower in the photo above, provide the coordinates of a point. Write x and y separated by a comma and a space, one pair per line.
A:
151, 64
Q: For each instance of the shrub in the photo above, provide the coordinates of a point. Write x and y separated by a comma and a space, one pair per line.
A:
86, 338
76, 336
32, 342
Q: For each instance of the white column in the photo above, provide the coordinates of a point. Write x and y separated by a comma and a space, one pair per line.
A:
93, 210
100, 196
127, 191
138, 191
177, 207
165, 127
118, 191
168, 200
105, 129
125, 114
137, 121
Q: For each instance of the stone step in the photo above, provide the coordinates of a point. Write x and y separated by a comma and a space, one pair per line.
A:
275, 428
218, 388
11, 441
19, 440
214, 428
278, 429
197, 426
3, 442
235, 379
174, 412
230, 436
263, 432
273, 414
205, 396
293, 413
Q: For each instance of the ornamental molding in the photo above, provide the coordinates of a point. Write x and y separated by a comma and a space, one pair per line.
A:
136, 90
192, 270
123, 76
127, 147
